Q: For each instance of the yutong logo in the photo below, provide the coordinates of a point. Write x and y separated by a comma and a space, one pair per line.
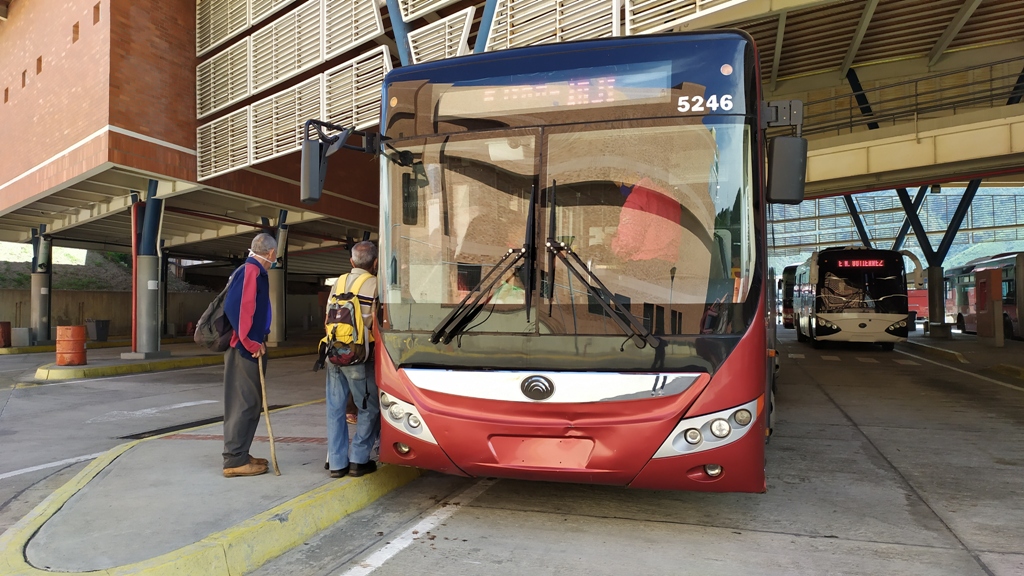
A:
537, 388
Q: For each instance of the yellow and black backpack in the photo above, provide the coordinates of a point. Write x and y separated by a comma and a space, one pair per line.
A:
347, 339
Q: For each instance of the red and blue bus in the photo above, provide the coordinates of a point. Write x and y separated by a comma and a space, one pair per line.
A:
961, 302
574, 275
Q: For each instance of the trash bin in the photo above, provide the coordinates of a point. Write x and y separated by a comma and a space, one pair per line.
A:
5, 334
98, 330
912, 321
70, 345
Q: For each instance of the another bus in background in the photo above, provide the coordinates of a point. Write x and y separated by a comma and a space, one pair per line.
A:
852, 295
961, 300
788, 282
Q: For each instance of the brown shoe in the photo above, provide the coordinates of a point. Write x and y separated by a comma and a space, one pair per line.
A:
249, 469
258, 461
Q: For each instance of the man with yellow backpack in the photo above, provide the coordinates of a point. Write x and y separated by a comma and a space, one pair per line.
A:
347, 353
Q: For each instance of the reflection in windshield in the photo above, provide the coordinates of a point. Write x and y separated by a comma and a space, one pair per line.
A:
660, 210
862, 291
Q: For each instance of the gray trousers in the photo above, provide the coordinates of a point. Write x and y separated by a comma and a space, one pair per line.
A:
243, 402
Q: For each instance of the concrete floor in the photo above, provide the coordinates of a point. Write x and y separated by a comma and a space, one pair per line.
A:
882, 462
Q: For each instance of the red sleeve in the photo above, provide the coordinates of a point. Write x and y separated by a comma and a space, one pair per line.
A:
248, 308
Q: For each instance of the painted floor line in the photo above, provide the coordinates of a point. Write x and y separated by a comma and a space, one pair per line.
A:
64, 462
978, 376
441, 513
117, 415
136, 375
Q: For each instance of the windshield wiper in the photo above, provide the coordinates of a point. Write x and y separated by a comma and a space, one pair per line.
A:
464, 313
628, 323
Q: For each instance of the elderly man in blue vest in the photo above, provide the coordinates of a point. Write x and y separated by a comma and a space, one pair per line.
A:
247, 307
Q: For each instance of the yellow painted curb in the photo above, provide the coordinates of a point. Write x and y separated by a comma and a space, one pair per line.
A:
53, 372
950, 355
1008, 370
232, 552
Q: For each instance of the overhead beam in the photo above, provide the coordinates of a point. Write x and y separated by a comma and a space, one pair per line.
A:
957, 220
919, 231
857, 221
952, 30
780, 33
901, 236
858, 36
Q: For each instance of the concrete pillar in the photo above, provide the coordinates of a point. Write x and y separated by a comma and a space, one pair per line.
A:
937, 327
147, 311
39, 303
276, 278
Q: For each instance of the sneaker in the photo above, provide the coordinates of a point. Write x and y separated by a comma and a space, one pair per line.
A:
248, 469
258, 461
340, 473
363, 469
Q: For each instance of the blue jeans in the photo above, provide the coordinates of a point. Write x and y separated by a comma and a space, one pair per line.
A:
360, 380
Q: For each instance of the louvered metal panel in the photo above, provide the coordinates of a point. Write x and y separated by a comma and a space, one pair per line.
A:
350, 23
413, 9
287, 46
223, 145
650, 16
217, 21
518, 23
352, 90
277, 120
223, 79
259, 10
445, 38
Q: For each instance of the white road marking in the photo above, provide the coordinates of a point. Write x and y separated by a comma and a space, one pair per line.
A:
74, 460
979, 377
125, 415
799, 356
441, 513
868, 360
831, 358
906, 362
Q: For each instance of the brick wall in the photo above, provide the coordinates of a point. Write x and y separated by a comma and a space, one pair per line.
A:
153, 69
67, 100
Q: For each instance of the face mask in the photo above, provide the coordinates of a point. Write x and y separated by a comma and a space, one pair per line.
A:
255, 255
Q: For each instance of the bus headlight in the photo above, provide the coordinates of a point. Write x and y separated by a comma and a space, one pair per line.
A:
720, 428
693, 436
712, 470
385, 400
414, 421
742, 417
396, 412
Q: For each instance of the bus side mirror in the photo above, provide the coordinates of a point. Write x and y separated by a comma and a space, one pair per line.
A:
313, 170
787, 169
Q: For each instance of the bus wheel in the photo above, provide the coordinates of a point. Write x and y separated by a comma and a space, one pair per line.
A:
888, 345
960, 325
800, 334
1007, 328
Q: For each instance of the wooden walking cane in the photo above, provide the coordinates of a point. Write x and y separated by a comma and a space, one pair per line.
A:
266, 414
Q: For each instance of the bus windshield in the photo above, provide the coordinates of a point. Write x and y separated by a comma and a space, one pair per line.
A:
861, 283
660, 210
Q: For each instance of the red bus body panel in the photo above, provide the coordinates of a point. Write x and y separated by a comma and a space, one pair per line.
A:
598, 442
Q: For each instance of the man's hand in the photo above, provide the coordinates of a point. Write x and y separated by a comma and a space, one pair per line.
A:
261, 351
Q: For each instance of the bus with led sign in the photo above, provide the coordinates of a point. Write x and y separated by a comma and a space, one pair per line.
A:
573, 264
851, 295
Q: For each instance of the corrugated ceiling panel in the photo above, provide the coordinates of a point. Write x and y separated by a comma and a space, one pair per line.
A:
223, 79
350, 23
651, 16
445, 38
223, 145
287, 46
413, 9
353, 90
277, 121
217, 21
259, 10
993, 21
519, 23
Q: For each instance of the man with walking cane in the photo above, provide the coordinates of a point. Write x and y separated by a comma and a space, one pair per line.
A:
247, 307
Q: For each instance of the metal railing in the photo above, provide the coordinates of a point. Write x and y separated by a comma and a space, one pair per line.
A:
922, 97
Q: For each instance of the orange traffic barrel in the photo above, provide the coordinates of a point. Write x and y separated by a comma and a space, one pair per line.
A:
71, 345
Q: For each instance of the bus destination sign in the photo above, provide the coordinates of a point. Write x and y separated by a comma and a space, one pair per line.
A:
860, 264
